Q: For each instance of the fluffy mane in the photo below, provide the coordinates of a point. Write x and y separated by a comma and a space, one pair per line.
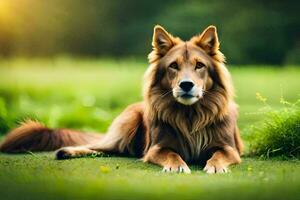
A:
162, 106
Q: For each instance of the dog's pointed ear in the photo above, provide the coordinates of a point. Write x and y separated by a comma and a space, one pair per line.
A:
208, 40
162, 41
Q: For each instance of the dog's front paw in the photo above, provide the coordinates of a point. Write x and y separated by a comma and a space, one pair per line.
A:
183, 168
215, 167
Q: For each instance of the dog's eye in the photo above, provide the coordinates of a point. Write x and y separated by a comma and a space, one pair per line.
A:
199, 65
174, 66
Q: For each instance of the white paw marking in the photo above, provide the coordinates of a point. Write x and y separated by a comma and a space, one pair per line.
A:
214, 169
177, 169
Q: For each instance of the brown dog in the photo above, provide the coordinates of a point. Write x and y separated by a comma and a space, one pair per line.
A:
188, 113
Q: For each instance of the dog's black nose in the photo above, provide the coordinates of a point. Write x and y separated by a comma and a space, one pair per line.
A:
186, 85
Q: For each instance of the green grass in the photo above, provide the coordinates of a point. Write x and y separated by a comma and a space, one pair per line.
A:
88, 94
39, 175
278, 134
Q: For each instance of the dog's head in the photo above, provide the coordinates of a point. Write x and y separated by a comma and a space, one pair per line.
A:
185, 68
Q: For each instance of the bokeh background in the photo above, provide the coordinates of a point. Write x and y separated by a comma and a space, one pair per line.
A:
251, 31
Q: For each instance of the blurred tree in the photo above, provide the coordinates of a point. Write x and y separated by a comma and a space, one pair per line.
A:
251, 32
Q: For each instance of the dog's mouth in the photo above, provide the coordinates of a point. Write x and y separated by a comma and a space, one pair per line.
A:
186, 96
187, 99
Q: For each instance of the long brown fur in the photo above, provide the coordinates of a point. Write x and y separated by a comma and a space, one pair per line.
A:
34, 136
161, 130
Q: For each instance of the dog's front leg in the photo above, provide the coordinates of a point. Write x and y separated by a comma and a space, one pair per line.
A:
169, 160
221, 159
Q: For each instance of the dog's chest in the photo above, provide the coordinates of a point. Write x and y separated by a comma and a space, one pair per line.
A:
197, 143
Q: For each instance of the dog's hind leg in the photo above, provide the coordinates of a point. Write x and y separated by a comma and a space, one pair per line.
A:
125, 136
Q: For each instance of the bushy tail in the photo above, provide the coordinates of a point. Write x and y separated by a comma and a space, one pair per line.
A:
34, 136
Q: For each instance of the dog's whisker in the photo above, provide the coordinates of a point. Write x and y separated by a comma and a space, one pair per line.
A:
206, 92
164, 94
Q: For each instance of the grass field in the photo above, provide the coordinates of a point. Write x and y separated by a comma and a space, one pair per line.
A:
87, 95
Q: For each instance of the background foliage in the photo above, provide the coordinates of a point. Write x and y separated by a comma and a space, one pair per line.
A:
89, 94
251, 31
